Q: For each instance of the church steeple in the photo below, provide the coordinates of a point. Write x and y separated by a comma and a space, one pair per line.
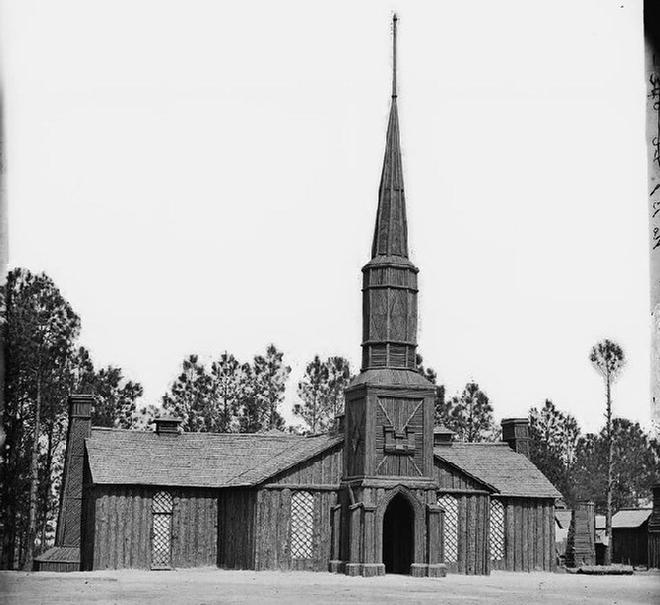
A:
390, 279
391, 232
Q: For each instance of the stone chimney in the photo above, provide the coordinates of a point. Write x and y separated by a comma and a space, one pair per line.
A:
167, 425
580, 547
515, 431
442, 436
79, 429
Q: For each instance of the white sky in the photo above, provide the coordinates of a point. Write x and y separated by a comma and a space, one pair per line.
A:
199, 176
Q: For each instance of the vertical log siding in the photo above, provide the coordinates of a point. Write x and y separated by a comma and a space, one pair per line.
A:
121, 517
529, 535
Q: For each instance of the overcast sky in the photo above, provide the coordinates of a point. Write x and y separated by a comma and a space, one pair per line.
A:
200, 176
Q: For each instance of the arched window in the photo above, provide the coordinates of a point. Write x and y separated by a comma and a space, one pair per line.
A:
302, 525
450, 534
161, 545
496, 530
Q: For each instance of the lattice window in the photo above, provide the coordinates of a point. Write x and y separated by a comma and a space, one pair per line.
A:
302, 525
450, 538
496, 530
161, 549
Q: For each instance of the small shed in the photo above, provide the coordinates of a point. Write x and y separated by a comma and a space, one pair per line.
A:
630, 536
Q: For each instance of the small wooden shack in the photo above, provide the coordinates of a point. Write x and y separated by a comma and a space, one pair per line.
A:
630, 528
383, 493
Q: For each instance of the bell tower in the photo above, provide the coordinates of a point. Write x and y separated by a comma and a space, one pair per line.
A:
388, 438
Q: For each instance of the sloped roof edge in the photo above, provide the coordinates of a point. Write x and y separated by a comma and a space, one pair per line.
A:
466, 473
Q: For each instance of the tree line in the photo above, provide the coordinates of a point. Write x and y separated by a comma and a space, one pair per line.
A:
45, 363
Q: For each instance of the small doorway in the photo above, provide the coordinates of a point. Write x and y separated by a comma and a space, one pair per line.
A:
398, 536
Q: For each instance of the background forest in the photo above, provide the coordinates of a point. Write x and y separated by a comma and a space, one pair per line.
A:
44, 363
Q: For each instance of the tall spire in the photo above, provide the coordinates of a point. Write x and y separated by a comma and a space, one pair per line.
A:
391, 232
394, 20
389, 293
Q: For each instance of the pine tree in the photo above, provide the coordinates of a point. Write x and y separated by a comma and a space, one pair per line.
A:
313, 391
189, 397
228, 389
40, 330
470, 415
608, 360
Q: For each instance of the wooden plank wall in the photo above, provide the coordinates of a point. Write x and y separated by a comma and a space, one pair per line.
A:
123, 526
273, 540
325, 469
320, 476
236, 528
473, 525
449, 478
630, 545
654, 550
195, 528
529, 535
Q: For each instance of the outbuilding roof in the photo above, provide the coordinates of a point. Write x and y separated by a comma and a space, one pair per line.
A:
498, 467
119, 456
630, 518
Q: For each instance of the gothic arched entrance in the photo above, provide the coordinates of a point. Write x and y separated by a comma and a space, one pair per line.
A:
398, 536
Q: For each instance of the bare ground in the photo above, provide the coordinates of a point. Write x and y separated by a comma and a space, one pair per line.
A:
210, 586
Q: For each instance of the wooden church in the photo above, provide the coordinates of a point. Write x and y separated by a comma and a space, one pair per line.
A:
382, 493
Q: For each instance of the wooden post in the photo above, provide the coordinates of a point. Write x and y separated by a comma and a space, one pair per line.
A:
354, 566
434, 554
335, 565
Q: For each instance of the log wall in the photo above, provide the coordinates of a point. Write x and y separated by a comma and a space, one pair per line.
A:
529, 535
120, 519
236, 528
325, 469
320, 477
473, 525
630, 545
449, 478
273, 540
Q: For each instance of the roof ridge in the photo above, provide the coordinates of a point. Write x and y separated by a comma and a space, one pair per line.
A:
108, 429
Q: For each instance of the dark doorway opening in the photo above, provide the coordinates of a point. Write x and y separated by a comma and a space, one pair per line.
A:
398, 536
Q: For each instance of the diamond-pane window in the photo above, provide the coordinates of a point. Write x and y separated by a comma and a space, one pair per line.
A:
496, 530
450, 538
162, 503
161, 545
302, 525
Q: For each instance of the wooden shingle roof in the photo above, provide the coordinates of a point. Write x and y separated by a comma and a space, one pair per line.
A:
498, 467
196, 459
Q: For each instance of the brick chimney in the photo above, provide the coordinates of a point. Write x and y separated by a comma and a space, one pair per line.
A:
515, 431
580, 547
167, 425
80, 427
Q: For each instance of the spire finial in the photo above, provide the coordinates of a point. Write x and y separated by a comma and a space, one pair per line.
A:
394, 20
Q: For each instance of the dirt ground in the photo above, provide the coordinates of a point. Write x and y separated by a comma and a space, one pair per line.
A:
209, 586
